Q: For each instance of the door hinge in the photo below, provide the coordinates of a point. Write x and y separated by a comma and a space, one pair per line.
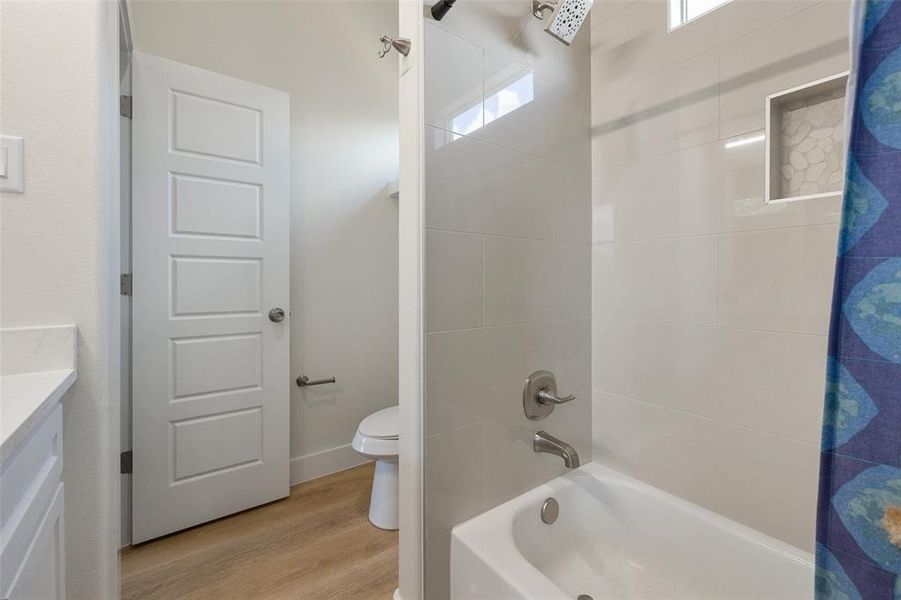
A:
125, 106
125, 284
125, 462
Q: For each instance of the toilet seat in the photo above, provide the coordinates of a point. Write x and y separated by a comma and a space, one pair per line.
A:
377, 435
381, 425
376, 448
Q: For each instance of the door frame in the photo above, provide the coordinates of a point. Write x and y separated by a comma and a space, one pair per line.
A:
411, 331
126, 49
410, 296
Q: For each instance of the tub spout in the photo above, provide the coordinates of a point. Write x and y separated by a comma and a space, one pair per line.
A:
545, 442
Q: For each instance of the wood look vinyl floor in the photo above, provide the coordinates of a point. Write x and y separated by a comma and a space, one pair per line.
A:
317, 543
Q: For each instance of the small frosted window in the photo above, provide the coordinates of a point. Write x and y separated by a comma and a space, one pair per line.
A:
683, 11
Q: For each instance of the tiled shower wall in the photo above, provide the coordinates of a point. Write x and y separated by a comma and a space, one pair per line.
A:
710, 307
508, 213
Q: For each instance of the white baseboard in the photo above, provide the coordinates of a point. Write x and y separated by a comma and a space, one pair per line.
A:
326, 462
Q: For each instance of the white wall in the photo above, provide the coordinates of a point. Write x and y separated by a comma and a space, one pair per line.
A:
59, 246
507, 259
343, 152
710, 307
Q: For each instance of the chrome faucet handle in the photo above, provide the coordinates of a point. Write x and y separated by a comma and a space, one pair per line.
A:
539, 396
546, 397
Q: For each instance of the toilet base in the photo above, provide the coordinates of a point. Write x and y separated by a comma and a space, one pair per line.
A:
383, 504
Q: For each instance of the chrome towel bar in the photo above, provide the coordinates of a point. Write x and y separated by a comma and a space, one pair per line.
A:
304, 381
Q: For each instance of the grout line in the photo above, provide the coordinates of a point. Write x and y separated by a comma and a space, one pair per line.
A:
640, 159
710, 234
717, 284
484, 280
715, 420
517, 150
509, 325
705, 326
510, 237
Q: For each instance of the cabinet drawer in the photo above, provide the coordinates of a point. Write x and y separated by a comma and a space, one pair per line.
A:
41, 573
30, 483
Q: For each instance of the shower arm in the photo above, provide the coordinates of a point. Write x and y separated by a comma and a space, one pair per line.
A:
539, 6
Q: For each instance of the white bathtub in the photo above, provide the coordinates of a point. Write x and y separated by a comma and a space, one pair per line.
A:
619, 538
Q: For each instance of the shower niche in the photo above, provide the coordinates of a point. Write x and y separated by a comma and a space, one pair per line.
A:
805, 130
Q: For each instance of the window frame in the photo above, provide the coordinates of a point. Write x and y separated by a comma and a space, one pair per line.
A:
678, 13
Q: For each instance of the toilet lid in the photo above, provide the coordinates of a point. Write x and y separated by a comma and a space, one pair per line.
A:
382, 424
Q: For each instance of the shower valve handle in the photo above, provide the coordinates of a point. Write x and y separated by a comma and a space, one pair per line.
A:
546, 397
539, 395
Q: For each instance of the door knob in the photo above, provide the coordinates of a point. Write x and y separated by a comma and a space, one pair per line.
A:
277, 315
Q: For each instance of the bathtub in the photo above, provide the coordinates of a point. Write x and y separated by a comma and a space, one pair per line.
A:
619, 538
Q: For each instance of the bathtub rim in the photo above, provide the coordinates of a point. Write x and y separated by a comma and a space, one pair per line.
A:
490, 538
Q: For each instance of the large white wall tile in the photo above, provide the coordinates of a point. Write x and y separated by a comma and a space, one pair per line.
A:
778, 279
698, 190
573, 204
662, 280
676, 108
574, 280
528, 280
514, 467
669, 365
680, 198
768, 483
437, 567
572, 64
768, 381
453, 280
453, 81
671, 450
454, 478
506, 28
740, 17
546, 119
479, 373
807, 46
520, 281
636, 42
475, 186
574, 357
601, 12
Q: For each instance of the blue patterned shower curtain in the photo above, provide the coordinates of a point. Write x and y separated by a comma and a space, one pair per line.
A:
858, 549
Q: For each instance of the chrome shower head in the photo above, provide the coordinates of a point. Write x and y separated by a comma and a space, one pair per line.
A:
566, 19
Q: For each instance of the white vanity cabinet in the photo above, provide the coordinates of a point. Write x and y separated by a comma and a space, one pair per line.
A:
31, 504
38, 367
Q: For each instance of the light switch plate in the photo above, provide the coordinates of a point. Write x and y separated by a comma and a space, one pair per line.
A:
12, 172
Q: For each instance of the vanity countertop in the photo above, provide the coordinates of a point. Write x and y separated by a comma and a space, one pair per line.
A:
37, 366
25, 399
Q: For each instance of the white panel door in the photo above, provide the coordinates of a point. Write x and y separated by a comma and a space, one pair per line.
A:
210, 260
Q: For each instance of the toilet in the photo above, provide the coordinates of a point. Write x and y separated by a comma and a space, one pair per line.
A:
376, 438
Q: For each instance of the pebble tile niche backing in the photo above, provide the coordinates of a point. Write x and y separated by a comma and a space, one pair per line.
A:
811, 154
